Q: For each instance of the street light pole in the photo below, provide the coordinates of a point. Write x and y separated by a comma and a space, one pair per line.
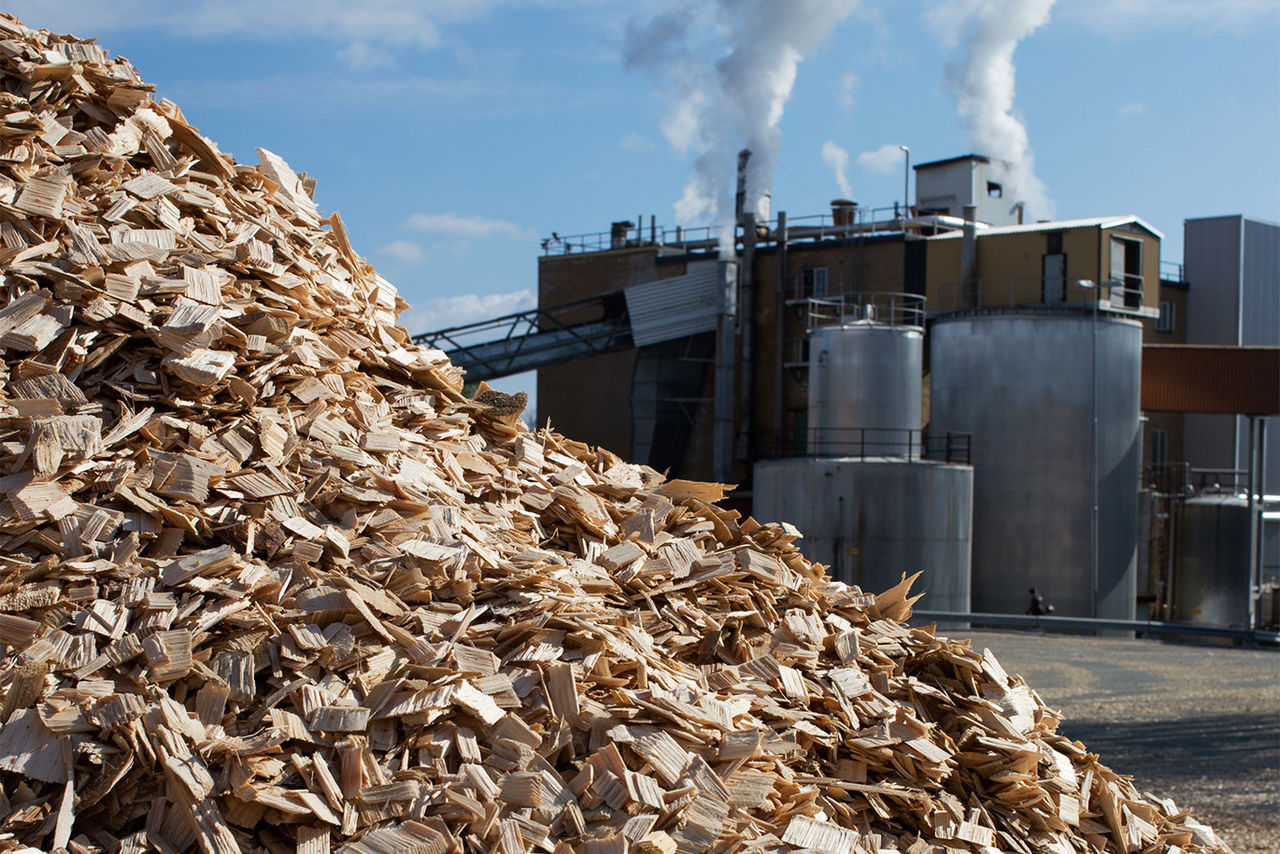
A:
1090, 285
906, 181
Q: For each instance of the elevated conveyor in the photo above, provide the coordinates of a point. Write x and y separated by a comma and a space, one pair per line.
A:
641, 315
528, 340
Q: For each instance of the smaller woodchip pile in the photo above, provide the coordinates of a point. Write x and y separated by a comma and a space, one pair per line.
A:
268, 582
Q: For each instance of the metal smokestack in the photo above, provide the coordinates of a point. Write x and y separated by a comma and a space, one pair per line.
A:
843, 212
740, 201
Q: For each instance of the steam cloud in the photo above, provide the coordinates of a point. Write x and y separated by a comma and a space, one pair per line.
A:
983, 86
884, 160
736, 102
837, 159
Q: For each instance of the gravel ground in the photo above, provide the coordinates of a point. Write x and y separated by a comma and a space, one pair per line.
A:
1198, 724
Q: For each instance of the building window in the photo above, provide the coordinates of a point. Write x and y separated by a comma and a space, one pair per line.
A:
1164, 323
994, 190
1159, 447
814, 282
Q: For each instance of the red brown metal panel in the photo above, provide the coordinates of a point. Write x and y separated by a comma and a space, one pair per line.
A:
1211, 379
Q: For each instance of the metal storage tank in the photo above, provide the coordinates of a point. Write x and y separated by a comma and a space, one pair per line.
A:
1211, 570
1020, 381
864, 374
873, 520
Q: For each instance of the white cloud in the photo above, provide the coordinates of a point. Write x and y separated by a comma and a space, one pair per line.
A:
403, 251
361, 54
460, 309
849, 83
884, 160
1129, 110
457, 225
1117, 17
397, 22
635, 142
837, 159
368, 31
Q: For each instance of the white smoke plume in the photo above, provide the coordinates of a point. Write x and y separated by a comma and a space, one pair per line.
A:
837, 160
884, 160
735, 101
983, 85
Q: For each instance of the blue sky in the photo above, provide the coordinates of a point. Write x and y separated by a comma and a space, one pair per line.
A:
453, 135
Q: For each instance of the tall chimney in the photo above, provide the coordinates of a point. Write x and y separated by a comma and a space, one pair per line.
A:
740, 202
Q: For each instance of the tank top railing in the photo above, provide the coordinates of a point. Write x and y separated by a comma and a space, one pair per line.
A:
887, 309
862, 443
1034, 292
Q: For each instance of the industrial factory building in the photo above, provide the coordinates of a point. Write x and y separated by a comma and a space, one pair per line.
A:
943, 387
657, 401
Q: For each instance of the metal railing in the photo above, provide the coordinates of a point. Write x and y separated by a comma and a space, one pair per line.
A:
1171, 271
1181, 478
601, 241
1167, 478
1218, 481
1031, 292
862, 443
890, 309
813, 227
1076, 624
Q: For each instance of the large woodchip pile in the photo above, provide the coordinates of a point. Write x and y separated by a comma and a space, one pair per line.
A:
269, 582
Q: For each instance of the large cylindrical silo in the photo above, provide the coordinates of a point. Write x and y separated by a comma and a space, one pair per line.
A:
871, 521
1023, 384
864, 387
1211, 567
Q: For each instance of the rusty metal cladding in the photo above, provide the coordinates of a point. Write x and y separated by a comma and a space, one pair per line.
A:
1211, 379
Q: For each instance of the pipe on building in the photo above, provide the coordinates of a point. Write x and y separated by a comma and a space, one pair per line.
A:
969, 252
780, 408
746, 334
722, 403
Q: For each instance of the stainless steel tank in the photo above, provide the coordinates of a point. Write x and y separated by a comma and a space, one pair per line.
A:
864, 375
1211, 570
1021, 383
871, 521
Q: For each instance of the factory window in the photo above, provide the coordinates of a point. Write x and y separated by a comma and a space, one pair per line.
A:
994, 190
1159, 447
1164, 323
814, 282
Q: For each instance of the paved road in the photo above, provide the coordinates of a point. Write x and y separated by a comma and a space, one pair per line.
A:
1199, 724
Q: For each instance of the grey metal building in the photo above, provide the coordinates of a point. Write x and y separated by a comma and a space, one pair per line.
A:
1232, 264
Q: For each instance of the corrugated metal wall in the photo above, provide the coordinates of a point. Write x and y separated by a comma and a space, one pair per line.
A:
678, 307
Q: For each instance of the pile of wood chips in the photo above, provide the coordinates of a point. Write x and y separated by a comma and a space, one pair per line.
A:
269, 582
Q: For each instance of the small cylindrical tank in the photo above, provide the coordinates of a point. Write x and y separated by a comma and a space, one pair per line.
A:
1211, 569
871, 521
864, 376
1022, 383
